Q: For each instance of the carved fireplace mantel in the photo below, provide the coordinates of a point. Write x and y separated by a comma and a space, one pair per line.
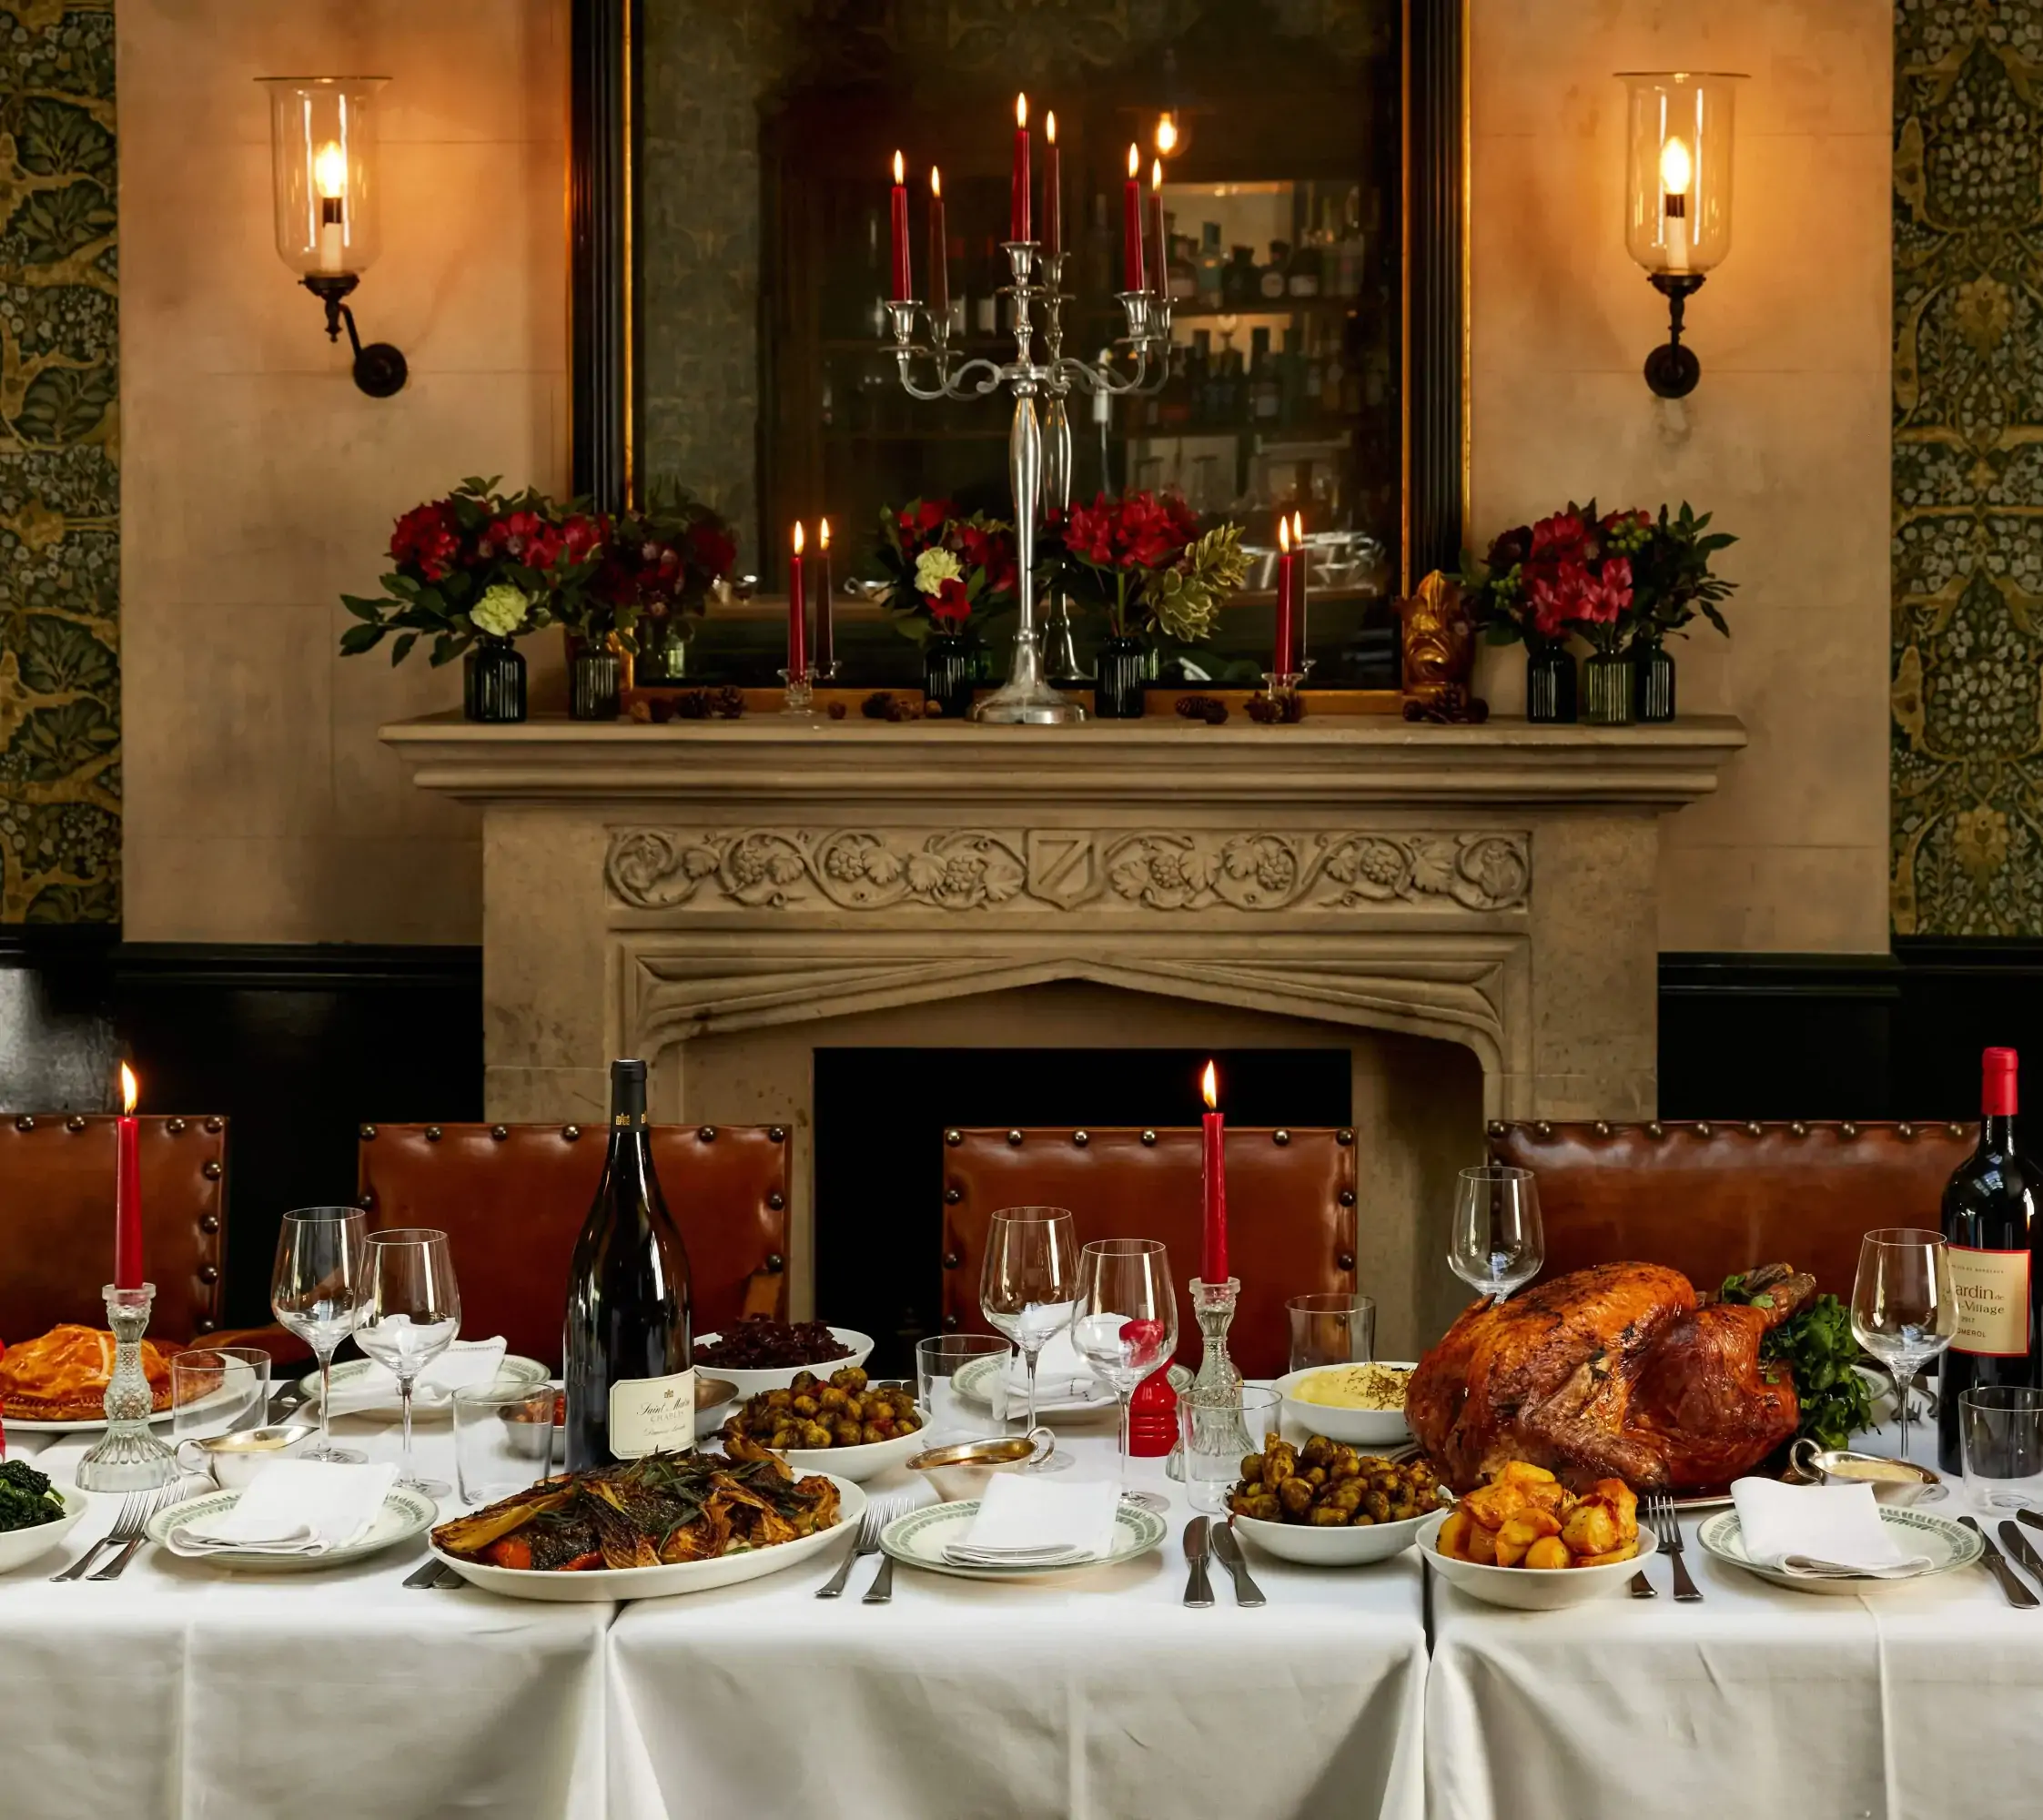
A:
768, 883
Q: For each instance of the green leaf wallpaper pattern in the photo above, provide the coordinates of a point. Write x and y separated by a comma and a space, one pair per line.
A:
1968, 597
60, 795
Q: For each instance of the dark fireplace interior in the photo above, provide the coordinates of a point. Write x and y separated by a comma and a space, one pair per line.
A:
880, 1116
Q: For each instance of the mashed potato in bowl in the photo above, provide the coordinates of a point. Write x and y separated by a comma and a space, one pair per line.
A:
1354, 1387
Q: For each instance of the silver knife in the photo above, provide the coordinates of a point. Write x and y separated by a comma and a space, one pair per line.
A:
2034, 1519
1199, 1589
2017, 1544
426, 1573
1228, 1546
280, 1405
1997, 1564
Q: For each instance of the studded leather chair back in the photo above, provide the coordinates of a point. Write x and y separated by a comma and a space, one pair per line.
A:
56, 1221
1291, 1214
1711, 1198
512, 1197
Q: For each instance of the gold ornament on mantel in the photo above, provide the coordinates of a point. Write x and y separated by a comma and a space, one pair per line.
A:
1439, 655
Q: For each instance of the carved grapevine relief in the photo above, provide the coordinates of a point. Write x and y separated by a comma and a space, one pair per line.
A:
976, 869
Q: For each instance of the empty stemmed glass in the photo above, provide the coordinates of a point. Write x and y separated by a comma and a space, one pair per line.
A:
1125, 1324
1497, 1244
316, 1291
410, 1317
1029, 1283
1903, 1310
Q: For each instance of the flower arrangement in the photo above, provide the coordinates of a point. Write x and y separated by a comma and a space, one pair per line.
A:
479, 564
1143, 562
942, 568
1616, 578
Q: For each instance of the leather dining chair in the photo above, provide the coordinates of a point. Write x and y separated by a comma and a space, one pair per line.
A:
56, 1221
1713, 1199
1291, 1214
512, 1199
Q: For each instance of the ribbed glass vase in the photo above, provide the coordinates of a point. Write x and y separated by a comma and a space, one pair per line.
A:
595, 684
1550, 684
1119, 669
1607, 686
493, 682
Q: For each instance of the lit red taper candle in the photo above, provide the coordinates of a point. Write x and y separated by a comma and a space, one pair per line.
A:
797, 613
825, 652
939, 252
1301, 583
1280, 660
904, 267
127, 1189
1019, 209
1159, 242
1053, 189
1213, 1251
1131, 223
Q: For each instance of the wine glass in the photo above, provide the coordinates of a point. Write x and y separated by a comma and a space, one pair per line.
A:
410, 1314
1498, 1244
1125, 1324
316, 1291
1029, 1283
1903, 1310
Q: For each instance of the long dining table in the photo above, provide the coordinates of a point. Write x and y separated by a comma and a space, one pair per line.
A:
184, 1690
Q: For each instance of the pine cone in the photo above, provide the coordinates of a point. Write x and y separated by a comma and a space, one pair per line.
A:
835, 711
1202, 708
878, 705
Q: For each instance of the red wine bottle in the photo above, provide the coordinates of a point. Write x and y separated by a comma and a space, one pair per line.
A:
629, 1343
1989, 1208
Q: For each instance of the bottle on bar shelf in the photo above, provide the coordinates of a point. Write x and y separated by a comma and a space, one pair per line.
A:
1269, 278
1212, 262
1989, 1208
629, 1343
1238, 279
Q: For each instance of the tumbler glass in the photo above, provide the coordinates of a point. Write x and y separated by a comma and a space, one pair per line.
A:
1337, 1329
503, 1438
1218, 1433
2002, 1429
216, 1390
977, 1406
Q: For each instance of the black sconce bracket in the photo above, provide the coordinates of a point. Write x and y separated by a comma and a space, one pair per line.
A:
379, 368
1673, 370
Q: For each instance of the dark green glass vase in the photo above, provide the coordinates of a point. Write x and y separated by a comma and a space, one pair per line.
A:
1120, 671
1654, 671
947, 674
493, 682
1550, 684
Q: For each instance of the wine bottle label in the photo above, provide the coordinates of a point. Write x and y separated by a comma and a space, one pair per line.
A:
1992, 1292
652, 1415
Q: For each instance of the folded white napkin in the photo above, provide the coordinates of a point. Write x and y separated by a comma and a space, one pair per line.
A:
465, 1364
1022, 1518
1061, 1376
1821, 1532
293, 1507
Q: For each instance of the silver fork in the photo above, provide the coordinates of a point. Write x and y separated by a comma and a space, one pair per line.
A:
1666, 1525
134, 1513
867, 1543
162, 1495
882, 1589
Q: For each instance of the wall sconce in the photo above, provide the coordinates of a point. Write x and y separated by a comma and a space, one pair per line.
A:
322, 162
1677, 205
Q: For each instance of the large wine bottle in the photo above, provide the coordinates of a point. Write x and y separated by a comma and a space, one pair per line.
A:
629, 1343
1989, 1208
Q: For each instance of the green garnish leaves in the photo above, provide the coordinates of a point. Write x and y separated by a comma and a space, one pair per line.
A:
1818, 1346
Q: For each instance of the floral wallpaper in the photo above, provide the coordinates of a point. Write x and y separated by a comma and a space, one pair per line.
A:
60, 469
1968, 597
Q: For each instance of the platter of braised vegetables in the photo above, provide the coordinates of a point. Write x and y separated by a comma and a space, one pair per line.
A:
1523, 1539
849, 1424
1329, 1504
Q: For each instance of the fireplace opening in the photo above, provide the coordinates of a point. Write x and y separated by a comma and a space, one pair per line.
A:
880, 1116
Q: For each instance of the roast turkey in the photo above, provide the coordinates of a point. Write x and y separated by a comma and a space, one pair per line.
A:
1616, 1371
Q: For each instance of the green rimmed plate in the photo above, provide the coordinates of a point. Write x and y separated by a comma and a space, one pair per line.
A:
977, 1380
919, 1539
516, 1368
404, 1514
1949, 1546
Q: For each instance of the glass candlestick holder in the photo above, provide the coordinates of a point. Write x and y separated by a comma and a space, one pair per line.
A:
1217, 1385
800, 685
128, 1457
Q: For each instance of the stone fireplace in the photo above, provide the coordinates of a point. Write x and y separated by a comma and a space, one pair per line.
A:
1472, 913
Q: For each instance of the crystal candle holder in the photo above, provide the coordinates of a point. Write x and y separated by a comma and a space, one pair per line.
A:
128, 1457
1217, 1383
800, 686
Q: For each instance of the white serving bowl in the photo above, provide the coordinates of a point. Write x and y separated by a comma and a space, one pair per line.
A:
1532, 1589
1358, 1428
1337, 1546
750, 1384
867, 1461
17, 1547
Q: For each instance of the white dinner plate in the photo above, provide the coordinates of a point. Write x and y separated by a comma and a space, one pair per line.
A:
920, 1538
515, 1368
975, 1382
20, 1546
404, 1514
1949, 1546
597, 1584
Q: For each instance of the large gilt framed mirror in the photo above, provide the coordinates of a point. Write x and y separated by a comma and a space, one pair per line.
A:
729, 202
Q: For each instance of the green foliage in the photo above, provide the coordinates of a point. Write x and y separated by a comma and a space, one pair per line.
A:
55, 138
57, 656
52, 743
64, 404
53, 224
1818, 1348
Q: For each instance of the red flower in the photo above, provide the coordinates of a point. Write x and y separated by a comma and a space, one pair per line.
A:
924, 515
991, 551
1560, 539
1139, 531
951, 607
713, 549
428, 538
525, 537
580, 535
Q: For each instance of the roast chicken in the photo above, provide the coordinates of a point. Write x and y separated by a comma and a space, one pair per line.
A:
1616, 1371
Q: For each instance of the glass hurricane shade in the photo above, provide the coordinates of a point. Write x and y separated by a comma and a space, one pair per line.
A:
322, 166
1678, 168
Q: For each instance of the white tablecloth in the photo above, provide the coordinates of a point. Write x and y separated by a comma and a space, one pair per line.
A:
1914, 1703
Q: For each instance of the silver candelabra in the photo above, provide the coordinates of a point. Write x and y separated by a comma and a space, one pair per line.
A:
1038, 450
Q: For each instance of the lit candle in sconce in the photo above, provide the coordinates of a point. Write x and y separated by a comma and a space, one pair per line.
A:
1019, 211
1677, 172
904, 272
330, 177
797, 615
824, 651
939, 255
1131, 223
1156, 234
1053, 189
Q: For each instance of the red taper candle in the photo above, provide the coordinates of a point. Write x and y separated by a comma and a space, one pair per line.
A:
1019, 211
797, 613
904, 267
1159, 252
939, 252
1280, 660
1213, 1254
825, 606
127, 1189
1131, 223
1301, 583
1053, 189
